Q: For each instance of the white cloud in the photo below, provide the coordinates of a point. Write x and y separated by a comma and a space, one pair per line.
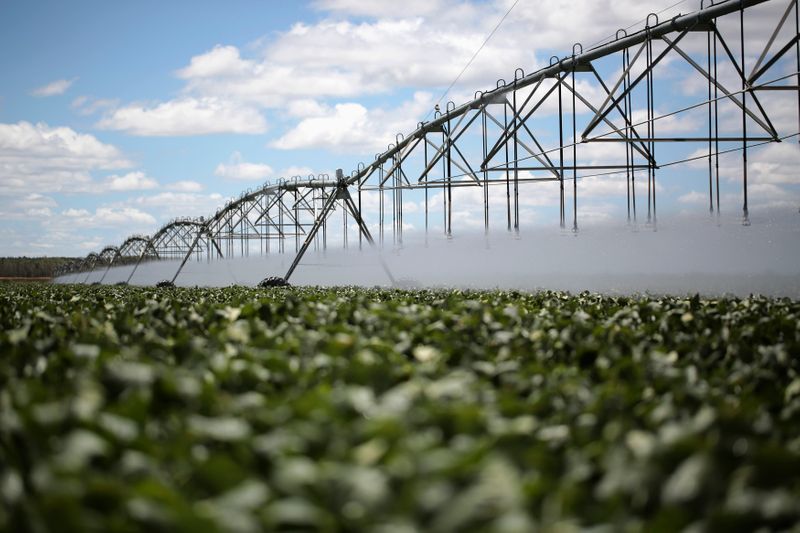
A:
54, 88
90, 245
766, 197
345, 59
185, 116
290, 172
305, 107
175, 204
777, 164
132, 181
773, 180
32, 205
379, 47
39, 212
75, 213
86, 105
669, 124
185, 186
219, 61
35, 200
694, 198
774, 163
352, 127
237, 169
366, 48
123, 216
40, 158
380, 8
104, 217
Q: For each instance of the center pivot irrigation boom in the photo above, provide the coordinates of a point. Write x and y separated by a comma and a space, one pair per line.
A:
538, 128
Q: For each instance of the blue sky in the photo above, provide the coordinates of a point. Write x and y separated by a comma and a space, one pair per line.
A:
117, 116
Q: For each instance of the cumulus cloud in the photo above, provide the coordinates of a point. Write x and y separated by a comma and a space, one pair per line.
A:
351, 127
32, 205
132, 181
104, 217
38, 157
219, 61
87, 105
54, 88
362, 48
317, 72
178, 204
380, 8
296, 170
694, 198
185, 186
237, 169
773, 180
185, 116
339, 58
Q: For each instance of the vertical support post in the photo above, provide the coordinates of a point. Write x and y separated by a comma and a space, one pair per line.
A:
393, 182
425, 151
380, 204
652, 106
797, 57
745, 210
297, 224
625, 109
710, 130
629, 98
449, 179
399, 189
649, 125
485, 143
716, 119
262, 223
561, 157
267, 227
324, 221
516, 156
508, 184
317, 202
360, 184
574, 159
281, 228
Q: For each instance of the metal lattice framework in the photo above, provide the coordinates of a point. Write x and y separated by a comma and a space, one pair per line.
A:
602, 100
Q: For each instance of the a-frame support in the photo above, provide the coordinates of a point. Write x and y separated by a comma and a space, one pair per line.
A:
340, 193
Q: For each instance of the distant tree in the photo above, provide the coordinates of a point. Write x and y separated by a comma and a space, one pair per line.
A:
31, 267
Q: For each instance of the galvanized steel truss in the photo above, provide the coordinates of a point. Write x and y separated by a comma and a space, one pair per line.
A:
504, 138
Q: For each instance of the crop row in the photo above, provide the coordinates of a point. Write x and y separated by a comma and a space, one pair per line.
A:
364, 409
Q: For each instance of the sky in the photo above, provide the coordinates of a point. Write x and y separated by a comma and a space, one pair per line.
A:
116, 117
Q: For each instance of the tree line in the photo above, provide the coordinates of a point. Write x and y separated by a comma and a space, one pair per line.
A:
31, 267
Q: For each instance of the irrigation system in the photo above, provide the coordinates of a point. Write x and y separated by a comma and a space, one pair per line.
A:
505, 137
